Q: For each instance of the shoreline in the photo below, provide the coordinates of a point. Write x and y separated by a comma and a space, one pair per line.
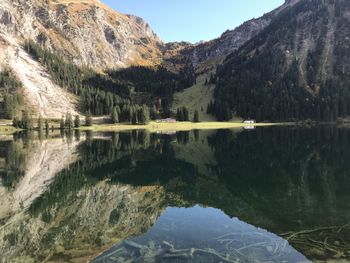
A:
153, 127
177, 126
156, 127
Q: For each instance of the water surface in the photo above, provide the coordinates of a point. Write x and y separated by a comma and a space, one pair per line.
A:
265, 195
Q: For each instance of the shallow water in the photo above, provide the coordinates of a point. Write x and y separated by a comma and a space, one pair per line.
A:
200, 234
265, 195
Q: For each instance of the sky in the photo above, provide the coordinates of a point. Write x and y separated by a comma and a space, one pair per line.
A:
193, 20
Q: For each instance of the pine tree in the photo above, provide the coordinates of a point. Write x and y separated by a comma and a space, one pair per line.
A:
127, 113
153, 113
134, 117
77, 121
88, 119
62, 123
16, 123
69, 121
27, 122
210, 107
178, 115
182, 114
40, 123
47, 126
146, 113
143, 114
186, 116
115, 116
196, 116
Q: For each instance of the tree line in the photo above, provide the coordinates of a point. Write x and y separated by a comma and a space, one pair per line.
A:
182, 114
27, 122
134, 114
11, 97
158, 82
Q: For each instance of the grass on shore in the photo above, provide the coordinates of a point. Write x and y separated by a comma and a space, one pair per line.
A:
178, 126
197, 98
7, 130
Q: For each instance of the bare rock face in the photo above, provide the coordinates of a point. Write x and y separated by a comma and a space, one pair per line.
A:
42, 96
88, 32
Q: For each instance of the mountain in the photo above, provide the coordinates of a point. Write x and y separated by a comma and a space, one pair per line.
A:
296, 68
86, 33
289, 64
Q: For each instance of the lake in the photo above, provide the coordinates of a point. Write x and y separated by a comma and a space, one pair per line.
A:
273, 194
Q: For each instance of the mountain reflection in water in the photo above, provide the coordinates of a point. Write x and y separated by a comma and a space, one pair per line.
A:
134, 195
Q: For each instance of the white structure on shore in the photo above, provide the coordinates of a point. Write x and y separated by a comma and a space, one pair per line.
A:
168, 120
249, 122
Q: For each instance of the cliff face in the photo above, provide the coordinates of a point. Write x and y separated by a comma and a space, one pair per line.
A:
87, 31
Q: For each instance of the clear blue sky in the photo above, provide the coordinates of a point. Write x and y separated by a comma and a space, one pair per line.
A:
193, 20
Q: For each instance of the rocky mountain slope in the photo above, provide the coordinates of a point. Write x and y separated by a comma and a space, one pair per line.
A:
297, 68
87, 31
41, 94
